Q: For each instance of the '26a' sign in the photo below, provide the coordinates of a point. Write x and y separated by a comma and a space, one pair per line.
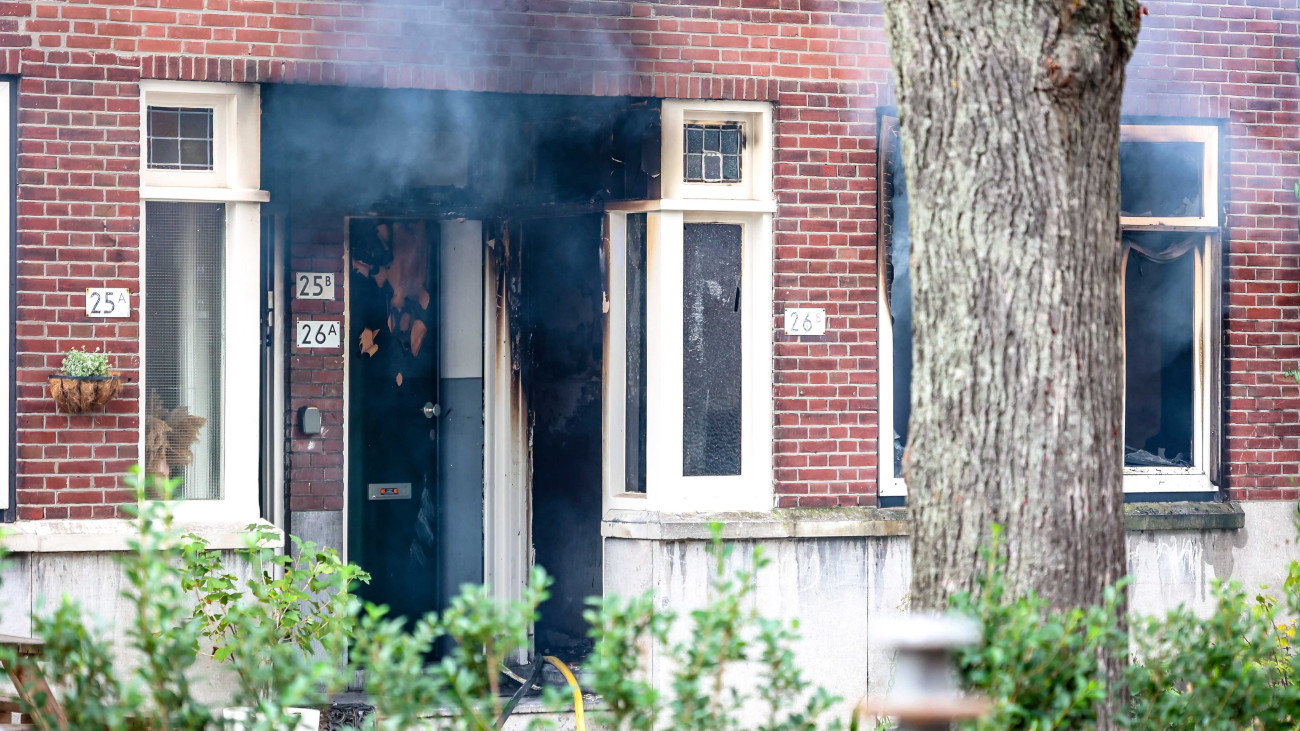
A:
318, 334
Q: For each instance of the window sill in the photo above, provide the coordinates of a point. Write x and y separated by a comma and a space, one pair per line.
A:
113, 535
791, 523
1140, 517
781, 523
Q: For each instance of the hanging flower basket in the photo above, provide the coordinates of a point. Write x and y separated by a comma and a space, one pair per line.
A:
83, 394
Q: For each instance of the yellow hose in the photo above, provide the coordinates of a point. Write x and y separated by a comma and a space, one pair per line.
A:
577, 692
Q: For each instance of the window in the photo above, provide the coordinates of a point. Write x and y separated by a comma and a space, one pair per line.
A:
180, 138
688, 385
1169, 217
713, 152
711, 349
201, 299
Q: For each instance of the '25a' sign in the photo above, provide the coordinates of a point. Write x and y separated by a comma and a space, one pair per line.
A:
108, 302
318, 334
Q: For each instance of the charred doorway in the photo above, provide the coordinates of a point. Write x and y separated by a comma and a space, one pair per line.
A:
562, 324
465, 229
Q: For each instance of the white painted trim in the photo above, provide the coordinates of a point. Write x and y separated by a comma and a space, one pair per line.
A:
235, 182
507, 528
756, 158
667, 488
236, 152
614, 396
115, 534
686, 204
212, 195
6, 274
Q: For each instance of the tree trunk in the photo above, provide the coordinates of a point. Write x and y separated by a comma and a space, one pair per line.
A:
1009, 111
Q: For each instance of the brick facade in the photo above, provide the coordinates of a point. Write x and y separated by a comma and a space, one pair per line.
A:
823, 62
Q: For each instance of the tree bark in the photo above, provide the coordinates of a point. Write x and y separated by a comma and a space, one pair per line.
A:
1009, 111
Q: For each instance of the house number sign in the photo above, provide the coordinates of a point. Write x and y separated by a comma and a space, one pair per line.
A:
313, 286
108, 302
805, 321
319, 334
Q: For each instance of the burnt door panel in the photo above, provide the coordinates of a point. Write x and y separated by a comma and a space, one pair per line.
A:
563, 331
394, 410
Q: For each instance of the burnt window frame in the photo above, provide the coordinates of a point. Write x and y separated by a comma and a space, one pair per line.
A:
1201, 480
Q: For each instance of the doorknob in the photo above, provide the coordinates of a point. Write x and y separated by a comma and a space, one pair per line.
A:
430, 410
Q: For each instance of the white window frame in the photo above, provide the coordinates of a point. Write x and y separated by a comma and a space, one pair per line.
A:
235, 182
6, 310
1202, 475
236, 155
749, 205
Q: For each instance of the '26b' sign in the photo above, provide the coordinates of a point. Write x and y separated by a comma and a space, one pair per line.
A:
318, 334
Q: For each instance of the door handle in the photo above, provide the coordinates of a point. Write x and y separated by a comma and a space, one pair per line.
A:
431, 410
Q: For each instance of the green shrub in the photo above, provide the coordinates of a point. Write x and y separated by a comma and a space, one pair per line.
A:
1043, 668
1040, 668
728, 631
81, 364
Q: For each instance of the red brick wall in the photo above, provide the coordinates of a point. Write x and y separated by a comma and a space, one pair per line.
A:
1238, 61
314, 464
823, 61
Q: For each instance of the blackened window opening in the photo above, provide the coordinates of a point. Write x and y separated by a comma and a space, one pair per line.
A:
895, 237
713, 152
711, 345
1160, 327
1161, 179
634, 455
180, 138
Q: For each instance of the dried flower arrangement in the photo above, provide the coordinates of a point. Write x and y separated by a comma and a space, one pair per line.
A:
168, 436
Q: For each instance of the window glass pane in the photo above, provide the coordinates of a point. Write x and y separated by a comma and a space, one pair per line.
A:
694, 139
713, 152
712, 167
895, 237
711, 342
1159, 320
695, 167
184, 287
180, 138
1161, 178
636, 363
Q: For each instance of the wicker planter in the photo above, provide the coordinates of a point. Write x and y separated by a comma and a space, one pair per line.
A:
84, 394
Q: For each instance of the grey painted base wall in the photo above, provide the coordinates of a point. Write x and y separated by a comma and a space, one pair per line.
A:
35, 583
836, 586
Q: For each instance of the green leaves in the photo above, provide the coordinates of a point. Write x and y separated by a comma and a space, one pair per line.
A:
726, 633
1043, 668
303, 598
80, 364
